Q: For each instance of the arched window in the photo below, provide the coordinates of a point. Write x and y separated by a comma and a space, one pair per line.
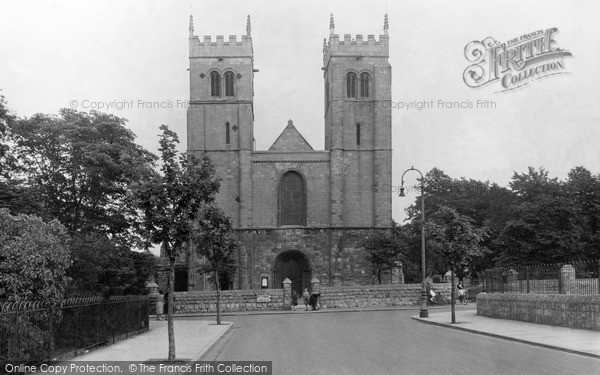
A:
227, 133
292, 199
215, 84
358, 134
351, 85
364, 85
229, 76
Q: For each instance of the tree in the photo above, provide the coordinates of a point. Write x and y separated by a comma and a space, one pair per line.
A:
383, 252
547, 223
171, 203
34, 257
534, 183
544, 230
6, 122
80, 167
214, 240
408, 237
539, 219
455, 241
12, 195
487, 204
102, 267
584, 190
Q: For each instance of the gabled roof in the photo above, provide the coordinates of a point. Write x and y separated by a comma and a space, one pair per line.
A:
290, 139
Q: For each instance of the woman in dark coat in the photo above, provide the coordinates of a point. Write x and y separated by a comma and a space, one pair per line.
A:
314, 301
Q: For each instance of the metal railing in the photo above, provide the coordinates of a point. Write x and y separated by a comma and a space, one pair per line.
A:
559, 278
32, 332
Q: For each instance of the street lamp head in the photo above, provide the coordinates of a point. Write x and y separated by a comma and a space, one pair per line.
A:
402, 192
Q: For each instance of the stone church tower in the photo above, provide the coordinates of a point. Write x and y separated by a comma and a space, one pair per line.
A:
298, 212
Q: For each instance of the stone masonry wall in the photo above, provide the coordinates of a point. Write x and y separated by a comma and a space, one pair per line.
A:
375, 295
336, 256
267, 170
231, 300
567, 310
331, 297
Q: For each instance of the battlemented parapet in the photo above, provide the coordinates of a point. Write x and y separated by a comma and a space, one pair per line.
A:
359, 46
221, 47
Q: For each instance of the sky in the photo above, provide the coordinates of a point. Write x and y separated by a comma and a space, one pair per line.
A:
87, 55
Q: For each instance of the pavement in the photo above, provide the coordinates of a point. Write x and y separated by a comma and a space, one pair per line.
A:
578, 341
194, 337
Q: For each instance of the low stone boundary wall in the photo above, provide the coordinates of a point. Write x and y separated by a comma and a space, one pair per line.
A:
566, 310
375, 295
331, 297
231, 300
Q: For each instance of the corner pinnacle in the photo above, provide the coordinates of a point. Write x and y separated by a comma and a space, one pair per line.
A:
386, 24
331, 25
191, 26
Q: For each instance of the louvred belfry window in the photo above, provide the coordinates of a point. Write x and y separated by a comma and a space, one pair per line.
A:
229, 77
215, 84
364, 85
351, 85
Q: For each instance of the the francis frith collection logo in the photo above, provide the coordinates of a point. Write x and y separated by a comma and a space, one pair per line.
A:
514, 63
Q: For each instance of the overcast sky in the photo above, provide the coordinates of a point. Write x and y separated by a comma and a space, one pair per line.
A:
56, 54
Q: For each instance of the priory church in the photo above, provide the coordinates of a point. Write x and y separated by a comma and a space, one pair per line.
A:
298, 212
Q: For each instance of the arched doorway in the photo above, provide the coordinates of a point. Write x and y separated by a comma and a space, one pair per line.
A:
181, 280
295, 266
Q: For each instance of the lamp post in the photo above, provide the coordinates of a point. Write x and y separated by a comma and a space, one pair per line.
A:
424, 313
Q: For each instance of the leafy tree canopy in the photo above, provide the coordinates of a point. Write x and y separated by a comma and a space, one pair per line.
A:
538, 219
171, 202
6, 122
34, 257
80, 167
454, 238
214, 240
102, 267
534, 184
384, 252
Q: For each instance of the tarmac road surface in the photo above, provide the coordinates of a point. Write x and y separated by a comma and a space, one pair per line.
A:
382, 342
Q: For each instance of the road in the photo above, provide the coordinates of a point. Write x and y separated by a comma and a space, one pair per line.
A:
382, 342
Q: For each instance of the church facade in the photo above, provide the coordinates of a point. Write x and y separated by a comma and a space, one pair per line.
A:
299, 213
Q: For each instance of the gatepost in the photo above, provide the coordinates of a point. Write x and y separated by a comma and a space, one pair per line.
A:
512, 277
315, 286
397, 273
152, 295
567, 279
287, 294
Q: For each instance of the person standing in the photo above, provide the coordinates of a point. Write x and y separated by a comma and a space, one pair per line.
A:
314, 301
294, 300
430, 292
160, 305
461, 292
306, 297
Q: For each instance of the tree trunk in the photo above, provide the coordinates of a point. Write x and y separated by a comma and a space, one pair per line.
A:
170, 328
452, 295
218, 298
